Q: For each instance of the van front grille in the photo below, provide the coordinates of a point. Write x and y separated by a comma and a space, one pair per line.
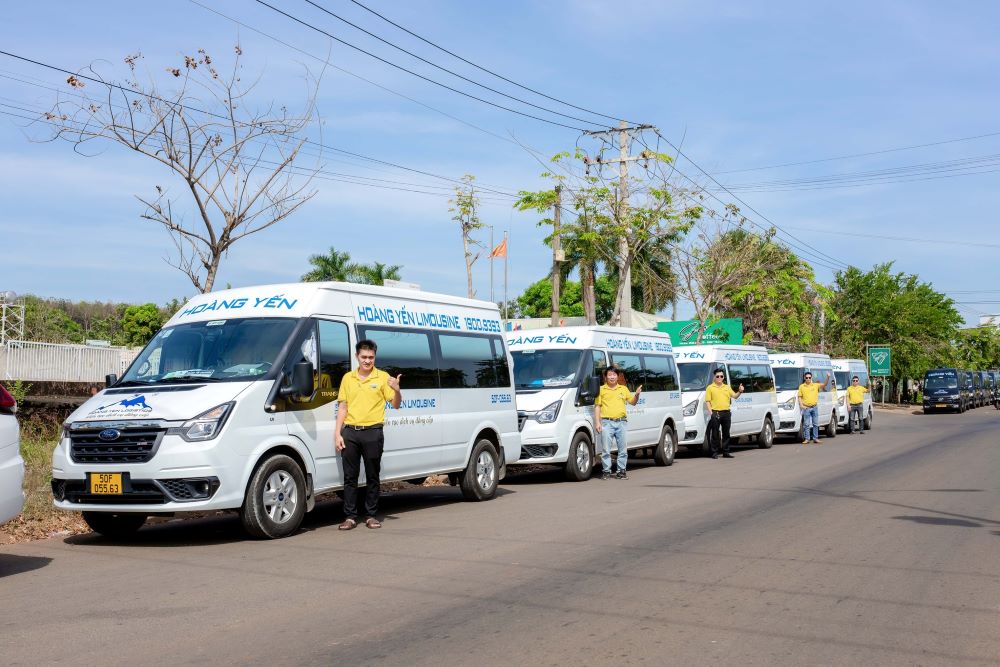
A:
132, 446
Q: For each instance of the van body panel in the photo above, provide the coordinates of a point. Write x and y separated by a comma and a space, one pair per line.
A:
788, 371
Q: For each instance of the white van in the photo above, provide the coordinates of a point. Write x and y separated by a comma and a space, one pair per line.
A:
788, 371
557, 376
11, 463
232, 405
843, 371
753, 414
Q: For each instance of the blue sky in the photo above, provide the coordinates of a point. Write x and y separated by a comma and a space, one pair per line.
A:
745, 84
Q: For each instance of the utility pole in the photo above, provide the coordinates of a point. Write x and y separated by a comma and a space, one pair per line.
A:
557, 257
623, 316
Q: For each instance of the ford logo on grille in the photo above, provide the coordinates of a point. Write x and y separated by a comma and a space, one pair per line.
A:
109, 434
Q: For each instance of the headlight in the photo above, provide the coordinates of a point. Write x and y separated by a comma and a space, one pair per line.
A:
548, 414
788, 405
206, 425
691, 408
840, 401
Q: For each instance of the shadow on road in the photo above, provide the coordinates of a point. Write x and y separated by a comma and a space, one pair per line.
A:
939, 521
11, 564
225, 527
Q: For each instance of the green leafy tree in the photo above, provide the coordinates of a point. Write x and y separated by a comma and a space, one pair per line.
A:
977, 348
140, 324
335, 266
377, 273
46, 321
536, 300
880, 306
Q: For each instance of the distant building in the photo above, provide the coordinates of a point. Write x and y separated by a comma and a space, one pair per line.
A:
989, 320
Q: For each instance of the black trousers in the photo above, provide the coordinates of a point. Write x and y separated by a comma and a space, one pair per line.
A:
361, 446
721, 419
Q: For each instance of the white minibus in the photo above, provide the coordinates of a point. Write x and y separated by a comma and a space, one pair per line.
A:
11, 463
753, 414
557, 376
232, 405
843, 371
788, 371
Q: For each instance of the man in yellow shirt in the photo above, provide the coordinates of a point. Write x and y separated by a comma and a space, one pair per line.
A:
718, 397
610, 418
808, 402
362, 397
856, 405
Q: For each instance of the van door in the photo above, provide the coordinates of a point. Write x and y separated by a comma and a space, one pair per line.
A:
742, 407
641, 428
327, 346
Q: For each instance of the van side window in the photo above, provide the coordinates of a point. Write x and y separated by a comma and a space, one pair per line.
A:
334, 354
405, 352
661, 373
739, 374
504, 378
466, 361
631, 365
761, 379
864, 380
600, 362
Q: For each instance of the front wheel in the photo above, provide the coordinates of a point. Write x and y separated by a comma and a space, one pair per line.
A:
831, 428
275, 501
666, 448
114, 524
766, 437
480, 478
580, 462
868, 420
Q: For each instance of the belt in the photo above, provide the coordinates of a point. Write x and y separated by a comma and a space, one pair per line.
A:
726, 410
615, 419
354, 427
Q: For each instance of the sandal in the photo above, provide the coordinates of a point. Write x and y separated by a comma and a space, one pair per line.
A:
347, 525
372, 522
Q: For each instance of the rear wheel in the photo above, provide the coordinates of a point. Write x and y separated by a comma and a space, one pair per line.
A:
479, 479
868, 420
580, 462
275, 501
114, 524
766, 437
666, 448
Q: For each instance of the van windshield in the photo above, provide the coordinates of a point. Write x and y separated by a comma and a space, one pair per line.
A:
537, 369
842, 380
787, 379
940, 380
695, 377
214, 351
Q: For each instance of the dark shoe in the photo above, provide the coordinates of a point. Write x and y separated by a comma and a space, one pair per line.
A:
605, 475
349, 524
727, 455
373, 523
715, 456
621, 475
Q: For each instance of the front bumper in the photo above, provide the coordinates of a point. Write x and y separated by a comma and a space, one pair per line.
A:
942, 403
789, 421
539, 445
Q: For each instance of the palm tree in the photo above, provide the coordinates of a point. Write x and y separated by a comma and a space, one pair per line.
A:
333, 266
377, 273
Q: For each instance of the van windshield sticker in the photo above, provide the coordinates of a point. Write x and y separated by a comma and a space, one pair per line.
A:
418, 318
215, 323
276, 302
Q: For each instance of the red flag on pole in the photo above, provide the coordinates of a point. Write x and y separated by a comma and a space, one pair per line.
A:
500, 250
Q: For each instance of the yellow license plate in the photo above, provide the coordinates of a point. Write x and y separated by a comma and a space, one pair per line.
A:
106, 483
941, 405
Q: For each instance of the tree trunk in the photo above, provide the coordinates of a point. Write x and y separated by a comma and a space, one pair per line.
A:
587, 292
468, 263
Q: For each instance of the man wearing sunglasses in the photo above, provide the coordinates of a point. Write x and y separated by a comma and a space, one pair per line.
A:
856, 400
718, 397
808, 403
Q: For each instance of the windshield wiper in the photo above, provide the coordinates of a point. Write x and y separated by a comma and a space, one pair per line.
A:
134, 383
189, 378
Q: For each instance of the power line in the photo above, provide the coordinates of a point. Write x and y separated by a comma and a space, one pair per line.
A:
484, 69
856, 155
905, 239
445, 69
411, 72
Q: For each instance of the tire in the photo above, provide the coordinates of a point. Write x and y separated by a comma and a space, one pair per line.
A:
867, 423
114, 524
480, 478
275, 501
666, 448
580, 461
765, 439
831, 428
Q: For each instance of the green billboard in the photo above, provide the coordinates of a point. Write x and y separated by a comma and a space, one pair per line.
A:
879, 361
685, 332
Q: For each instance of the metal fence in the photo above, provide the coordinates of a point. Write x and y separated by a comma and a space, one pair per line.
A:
50, 362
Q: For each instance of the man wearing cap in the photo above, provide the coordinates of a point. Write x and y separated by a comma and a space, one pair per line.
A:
360, 415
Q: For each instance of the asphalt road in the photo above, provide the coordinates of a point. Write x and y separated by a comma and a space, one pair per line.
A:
874, 550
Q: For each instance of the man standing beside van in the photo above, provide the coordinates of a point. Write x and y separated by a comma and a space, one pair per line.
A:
809, 402
360, 415
718, 397
856, 402
609, 419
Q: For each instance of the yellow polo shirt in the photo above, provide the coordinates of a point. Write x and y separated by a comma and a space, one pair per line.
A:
612, 401
365, 398
718, 396
809, 394
856, 394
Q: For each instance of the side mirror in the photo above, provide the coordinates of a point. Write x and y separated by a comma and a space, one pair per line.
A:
110, 379
591, 386
302, 380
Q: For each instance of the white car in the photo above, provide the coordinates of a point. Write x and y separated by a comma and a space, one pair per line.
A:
11, 463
